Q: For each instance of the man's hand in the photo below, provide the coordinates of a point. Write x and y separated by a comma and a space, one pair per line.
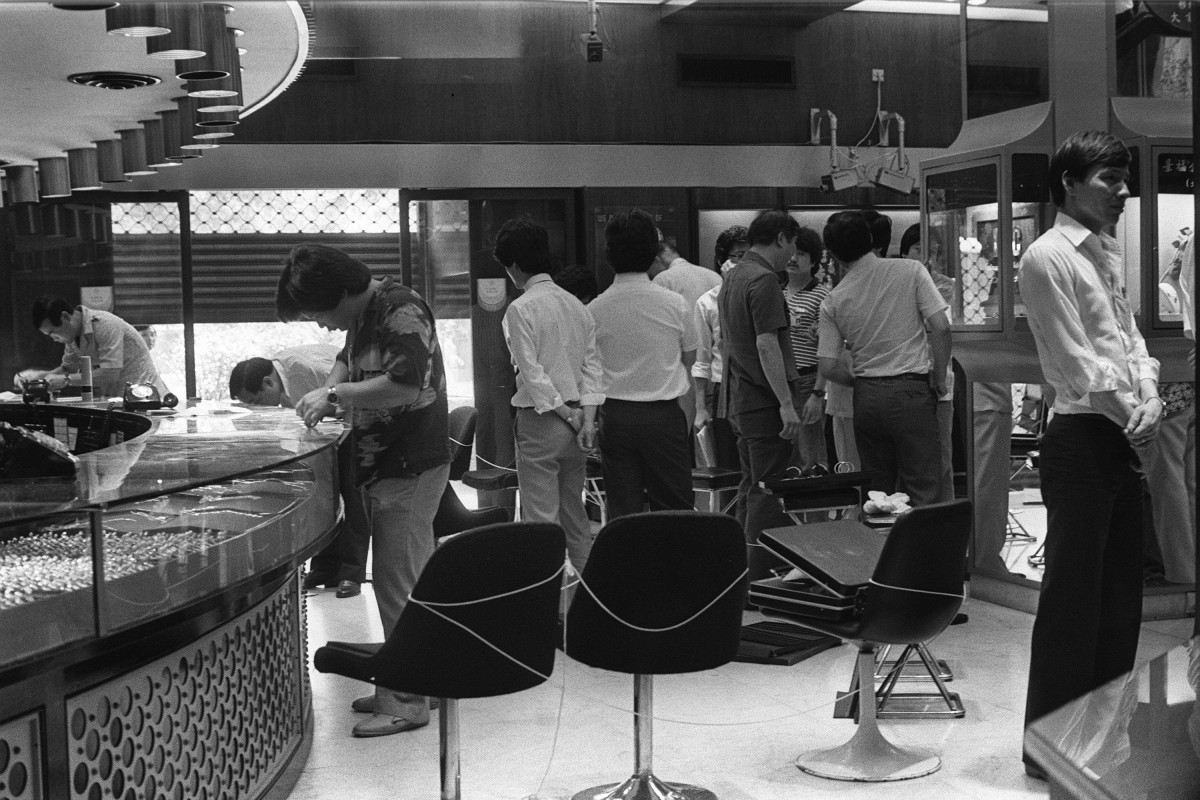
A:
814, 410
703, 417
1143, 423
586, 438
791, 422
314, 406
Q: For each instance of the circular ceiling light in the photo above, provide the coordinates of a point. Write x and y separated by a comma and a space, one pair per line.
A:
134, 19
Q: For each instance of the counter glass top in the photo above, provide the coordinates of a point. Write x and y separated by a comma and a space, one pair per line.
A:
181, 450
1137, 737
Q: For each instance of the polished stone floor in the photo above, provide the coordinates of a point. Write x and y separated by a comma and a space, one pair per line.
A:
735, 730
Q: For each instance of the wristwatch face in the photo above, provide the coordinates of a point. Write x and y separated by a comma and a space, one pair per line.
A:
332, 396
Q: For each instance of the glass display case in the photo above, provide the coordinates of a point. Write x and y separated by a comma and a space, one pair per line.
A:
983, 204
151, 524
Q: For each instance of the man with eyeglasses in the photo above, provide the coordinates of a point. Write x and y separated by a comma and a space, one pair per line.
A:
119, 354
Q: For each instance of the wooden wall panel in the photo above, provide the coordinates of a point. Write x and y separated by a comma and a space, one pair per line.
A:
551, 94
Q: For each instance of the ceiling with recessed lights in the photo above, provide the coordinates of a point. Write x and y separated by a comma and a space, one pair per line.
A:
43, 114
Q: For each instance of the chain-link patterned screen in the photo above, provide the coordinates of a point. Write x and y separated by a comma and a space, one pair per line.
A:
310, 211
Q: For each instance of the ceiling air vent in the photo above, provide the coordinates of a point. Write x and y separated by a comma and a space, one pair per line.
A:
760, 72
113, 80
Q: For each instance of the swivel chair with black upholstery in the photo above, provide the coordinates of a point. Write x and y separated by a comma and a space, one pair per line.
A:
662, 593
482, 621
913, 594
452, 516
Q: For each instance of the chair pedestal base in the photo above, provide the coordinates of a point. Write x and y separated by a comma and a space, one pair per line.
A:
868, 756
870, 759
645, 787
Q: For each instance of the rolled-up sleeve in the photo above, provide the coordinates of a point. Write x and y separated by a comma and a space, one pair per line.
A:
591, 386
702, 366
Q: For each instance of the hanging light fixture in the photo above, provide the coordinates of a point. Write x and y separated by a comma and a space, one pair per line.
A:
220, 50
133, 152
53, 177
228, 88
84, 166
214, 133
186, 37
108, 154
218, 120
135, 19
156, 151
22, 183
170, 136
187, 126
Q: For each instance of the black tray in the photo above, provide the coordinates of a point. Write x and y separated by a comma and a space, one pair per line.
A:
839, 555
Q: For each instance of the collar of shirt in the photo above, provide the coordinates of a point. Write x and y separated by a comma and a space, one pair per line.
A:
536, 279
631, 277
757, 259
678, 260
87, 324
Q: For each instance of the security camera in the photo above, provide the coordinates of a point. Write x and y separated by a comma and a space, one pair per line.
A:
592, 47
896, 181
839, 180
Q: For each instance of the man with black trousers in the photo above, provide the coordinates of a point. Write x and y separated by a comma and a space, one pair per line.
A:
759, 372
1106, 404
647, 343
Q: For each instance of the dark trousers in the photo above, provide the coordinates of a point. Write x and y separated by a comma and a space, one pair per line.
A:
647, 455
345, 558
1090, 609
761, 453
896, 428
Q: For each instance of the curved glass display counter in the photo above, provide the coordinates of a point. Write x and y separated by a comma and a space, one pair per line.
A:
151, 622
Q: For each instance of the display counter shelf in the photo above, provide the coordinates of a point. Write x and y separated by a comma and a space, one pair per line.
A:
168, 570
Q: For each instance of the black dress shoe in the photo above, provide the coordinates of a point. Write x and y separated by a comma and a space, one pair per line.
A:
349, 588
315, 580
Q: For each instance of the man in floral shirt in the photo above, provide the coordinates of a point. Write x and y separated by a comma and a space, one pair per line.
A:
390, 379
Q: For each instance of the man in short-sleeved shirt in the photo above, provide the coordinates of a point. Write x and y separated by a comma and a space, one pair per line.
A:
672, 271
647, 343
879, 312
118, 352
759, 371
390, 378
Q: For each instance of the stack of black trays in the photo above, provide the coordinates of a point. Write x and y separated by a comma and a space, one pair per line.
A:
837, 559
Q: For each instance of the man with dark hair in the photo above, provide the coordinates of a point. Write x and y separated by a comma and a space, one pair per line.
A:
880, 313
881, 231
647, 342
732, 243
283, 378
709, 366
759, 372
552, 339
672, 271
391, 380
279, 381
580, 281
119, 354
1106, 404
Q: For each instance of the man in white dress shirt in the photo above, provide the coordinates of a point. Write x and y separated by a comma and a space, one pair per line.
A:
672, 271
1106, 404
647, 343
552, 339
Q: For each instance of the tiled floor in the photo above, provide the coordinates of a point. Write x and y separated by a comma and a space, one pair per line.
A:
735, 730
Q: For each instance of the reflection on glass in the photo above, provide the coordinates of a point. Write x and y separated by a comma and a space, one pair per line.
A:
167, 551
1175, 176
963, 220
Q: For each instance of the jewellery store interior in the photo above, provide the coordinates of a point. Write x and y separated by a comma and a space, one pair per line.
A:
157, 634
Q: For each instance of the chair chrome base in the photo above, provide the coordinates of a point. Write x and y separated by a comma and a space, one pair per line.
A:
645, 787
871, 759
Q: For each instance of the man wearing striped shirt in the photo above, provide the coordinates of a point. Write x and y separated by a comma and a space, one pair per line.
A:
804, 293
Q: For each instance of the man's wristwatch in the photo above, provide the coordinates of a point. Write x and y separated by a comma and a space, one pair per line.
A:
332, 397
